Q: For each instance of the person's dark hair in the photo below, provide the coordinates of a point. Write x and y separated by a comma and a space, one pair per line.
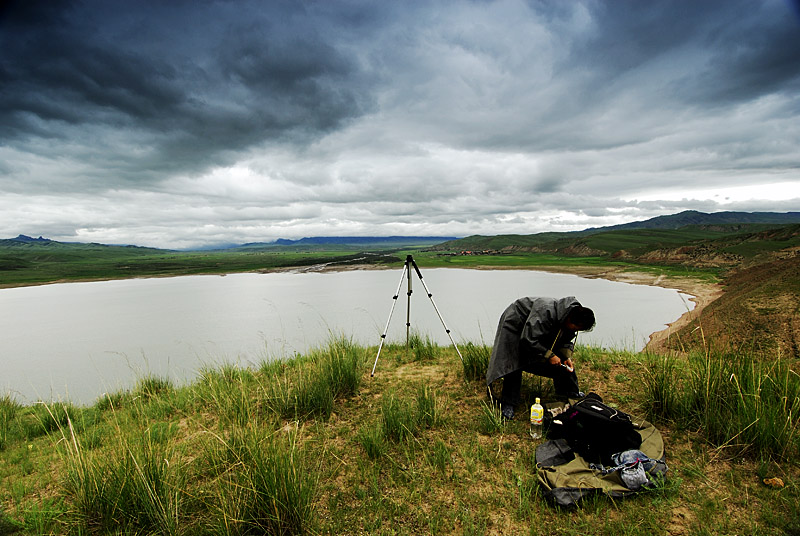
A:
583, 317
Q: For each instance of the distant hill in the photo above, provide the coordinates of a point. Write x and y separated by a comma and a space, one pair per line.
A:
22, 239
693, 217
693, 225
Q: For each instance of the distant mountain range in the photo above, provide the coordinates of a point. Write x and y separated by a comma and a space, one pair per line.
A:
354, 240
674, 221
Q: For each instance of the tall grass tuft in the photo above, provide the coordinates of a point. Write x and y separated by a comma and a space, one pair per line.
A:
661, 378
8, 525
229, 391
341, 366
476, 360
272, 486
313, 395
151, 386
52, 417
398, 418
738, 402
490, 419
429, 412
310, 390
113, 400
372, 440
422, 348
8, 414
134, 487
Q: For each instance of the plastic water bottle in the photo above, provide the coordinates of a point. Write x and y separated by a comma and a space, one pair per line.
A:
537, 414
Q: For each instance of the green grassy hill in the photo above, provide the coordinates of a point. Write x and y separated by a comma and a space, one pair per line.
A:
710, 246
315, 445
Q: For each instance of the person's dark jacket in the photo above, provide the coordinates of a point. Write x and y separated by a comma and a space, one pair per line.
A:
527, 330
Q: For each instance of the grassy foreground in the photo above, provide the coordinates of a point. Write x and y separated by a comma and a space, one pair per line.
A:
317, 446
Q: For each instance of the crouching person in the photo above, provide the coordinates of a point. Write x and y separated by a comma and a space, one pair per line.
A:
537, 335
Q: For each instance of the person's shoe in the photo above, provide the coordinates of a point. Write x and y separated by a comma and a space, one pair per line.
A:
507, 411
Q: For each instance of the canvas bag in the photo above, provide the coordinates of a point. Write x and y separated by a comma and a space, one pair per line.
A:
594, 430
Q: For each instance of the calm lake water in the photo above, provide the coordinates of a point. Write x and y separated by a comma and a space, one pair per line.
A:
75, 341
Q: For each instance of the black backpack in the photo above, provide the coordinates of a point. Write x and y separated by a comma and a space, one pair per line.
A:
594, 430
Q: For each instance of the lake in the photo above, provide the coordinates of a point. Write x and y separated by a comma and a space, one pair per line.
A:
76, 341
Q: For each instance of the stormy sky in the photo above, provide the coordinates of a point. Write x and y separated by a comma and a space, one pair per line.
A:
187, 123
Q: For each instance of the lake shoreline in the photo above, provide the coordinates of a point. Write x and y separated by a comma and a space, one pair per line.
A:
701, 292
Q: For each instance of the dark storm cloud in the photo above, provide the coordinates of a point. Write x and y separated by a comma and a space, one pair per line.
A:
61, 74
745, 49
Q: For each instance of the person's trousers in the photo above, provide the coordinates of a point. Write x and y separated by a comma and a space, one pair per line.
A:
564, 381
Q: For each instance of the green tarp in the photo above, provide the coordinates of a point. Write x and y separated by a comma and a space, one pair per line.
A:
567, 478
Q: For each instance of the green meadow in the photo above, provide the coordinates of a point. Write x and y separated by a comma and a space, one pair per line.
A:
316, 445
30, 264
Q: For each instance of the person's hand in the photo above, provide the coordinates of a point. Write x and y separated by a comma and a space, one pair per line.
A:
569, 364
554, 360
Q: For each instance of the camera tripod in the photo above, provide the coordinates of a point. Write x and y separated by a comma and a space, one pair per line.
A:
407, 272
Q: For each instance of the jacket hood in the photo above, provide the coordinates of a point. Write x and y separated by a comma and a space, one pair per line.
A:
563, 306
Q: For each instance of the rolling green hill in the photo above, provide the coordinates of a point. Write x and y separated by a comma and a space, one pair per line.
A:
712, 246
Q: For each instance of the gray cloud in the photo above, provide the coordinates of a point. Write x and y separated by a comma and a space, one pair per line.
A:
186, 123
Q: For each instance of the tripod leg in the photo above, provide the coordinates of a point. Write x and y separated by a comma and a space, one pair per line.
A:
419, 274
391, 311
409, 260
